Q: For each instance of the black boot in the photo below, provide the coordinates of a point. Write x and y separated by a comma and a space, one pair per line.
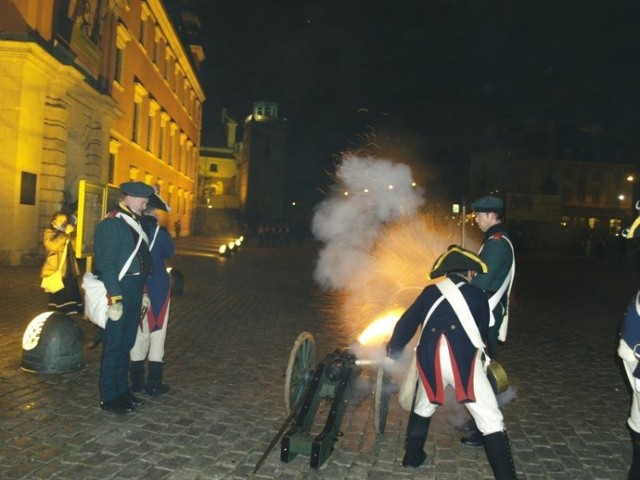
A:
499, 454
155, 387
136, 376
417, 432
634, 471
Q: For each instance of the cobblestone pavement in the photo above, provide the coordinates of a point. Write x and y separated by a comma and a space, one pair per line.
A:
228, 343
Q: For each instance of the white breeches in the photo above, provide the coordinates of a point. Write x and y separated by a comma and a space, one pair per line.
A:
484, 410
630, 363
150, 343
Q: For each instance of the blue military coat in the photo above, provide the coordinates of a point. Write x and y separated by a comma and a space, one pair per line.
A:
443, 323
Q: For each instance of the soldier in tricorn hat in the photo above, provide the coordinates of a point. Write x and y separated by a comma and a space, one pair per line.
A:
454, 316
152, 331
629, 352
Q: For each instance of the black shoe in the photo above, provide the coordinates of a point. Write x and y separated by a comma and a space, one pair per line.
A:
474, 440
116, 406
467, 427
157, 390
414, 460
133, 400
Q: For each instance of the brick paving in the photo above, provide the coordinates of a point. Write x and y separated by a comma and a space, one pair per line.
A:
228, 343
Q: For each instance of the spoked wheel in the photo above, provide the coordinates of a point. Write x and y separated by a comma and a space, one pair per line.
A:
300, 370
381, 400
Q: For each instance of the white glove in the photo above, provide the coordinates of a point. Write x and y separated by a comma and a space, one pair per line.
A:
146, 301
114, 312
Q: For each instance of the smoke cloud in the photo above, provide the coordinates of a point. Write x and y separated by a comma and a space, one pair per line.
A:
379, 243
368, 194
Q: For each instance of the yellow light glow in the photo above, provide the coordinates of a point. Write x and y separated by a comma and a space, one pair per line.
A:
346, 194
222, 249
630, 178
31, 335
380, 330
621, 197
390, 187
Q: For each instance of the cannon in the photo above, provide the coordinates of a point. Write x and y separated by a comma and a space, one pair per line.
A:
307, 384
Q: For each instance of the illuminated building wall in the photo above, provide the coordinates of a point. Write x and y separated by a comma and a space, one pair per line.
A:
218, 178
561, 191
75, 74
157, 139
55, 111
262, 168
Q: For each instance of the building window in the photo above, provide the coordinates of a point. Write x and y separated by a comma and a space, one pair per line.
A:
164, 122
112, 166
163, 139
119, 65
114, 147
168, 65
139, 94
144, 24
136, 122
172, 145
213, 167
122, 38
143, 31
154, 108
28, 188
151, 132
157, 49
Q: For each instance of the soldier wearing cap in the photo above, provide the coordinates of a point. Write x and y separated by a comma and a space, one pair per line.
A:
497, 252
454, 316
119, 240
629, 352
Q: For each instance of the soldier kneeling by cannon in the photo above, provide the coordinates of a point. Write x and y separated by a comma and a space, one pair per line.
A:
454, 316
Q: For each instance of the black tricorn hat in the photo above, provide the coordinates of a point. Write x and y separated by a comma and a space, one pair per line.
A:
156, 201
457, 259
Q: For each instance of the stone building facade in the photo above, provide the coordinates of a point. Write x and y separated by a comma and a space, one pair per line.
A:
73, 74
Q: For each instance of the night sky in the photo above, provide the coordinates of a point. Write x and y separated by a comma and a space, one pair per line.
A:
438, 71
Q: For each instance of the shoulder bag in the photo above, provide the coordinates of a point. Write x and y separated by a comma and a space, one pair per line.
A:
53, 283
95, 293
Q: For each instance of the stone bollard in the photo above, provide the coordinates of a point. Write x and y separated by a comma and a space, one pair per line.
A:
52, 343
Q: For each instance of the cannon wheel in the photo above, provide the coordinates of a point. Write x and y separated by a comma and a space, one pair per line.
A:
381, 400
302, 364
